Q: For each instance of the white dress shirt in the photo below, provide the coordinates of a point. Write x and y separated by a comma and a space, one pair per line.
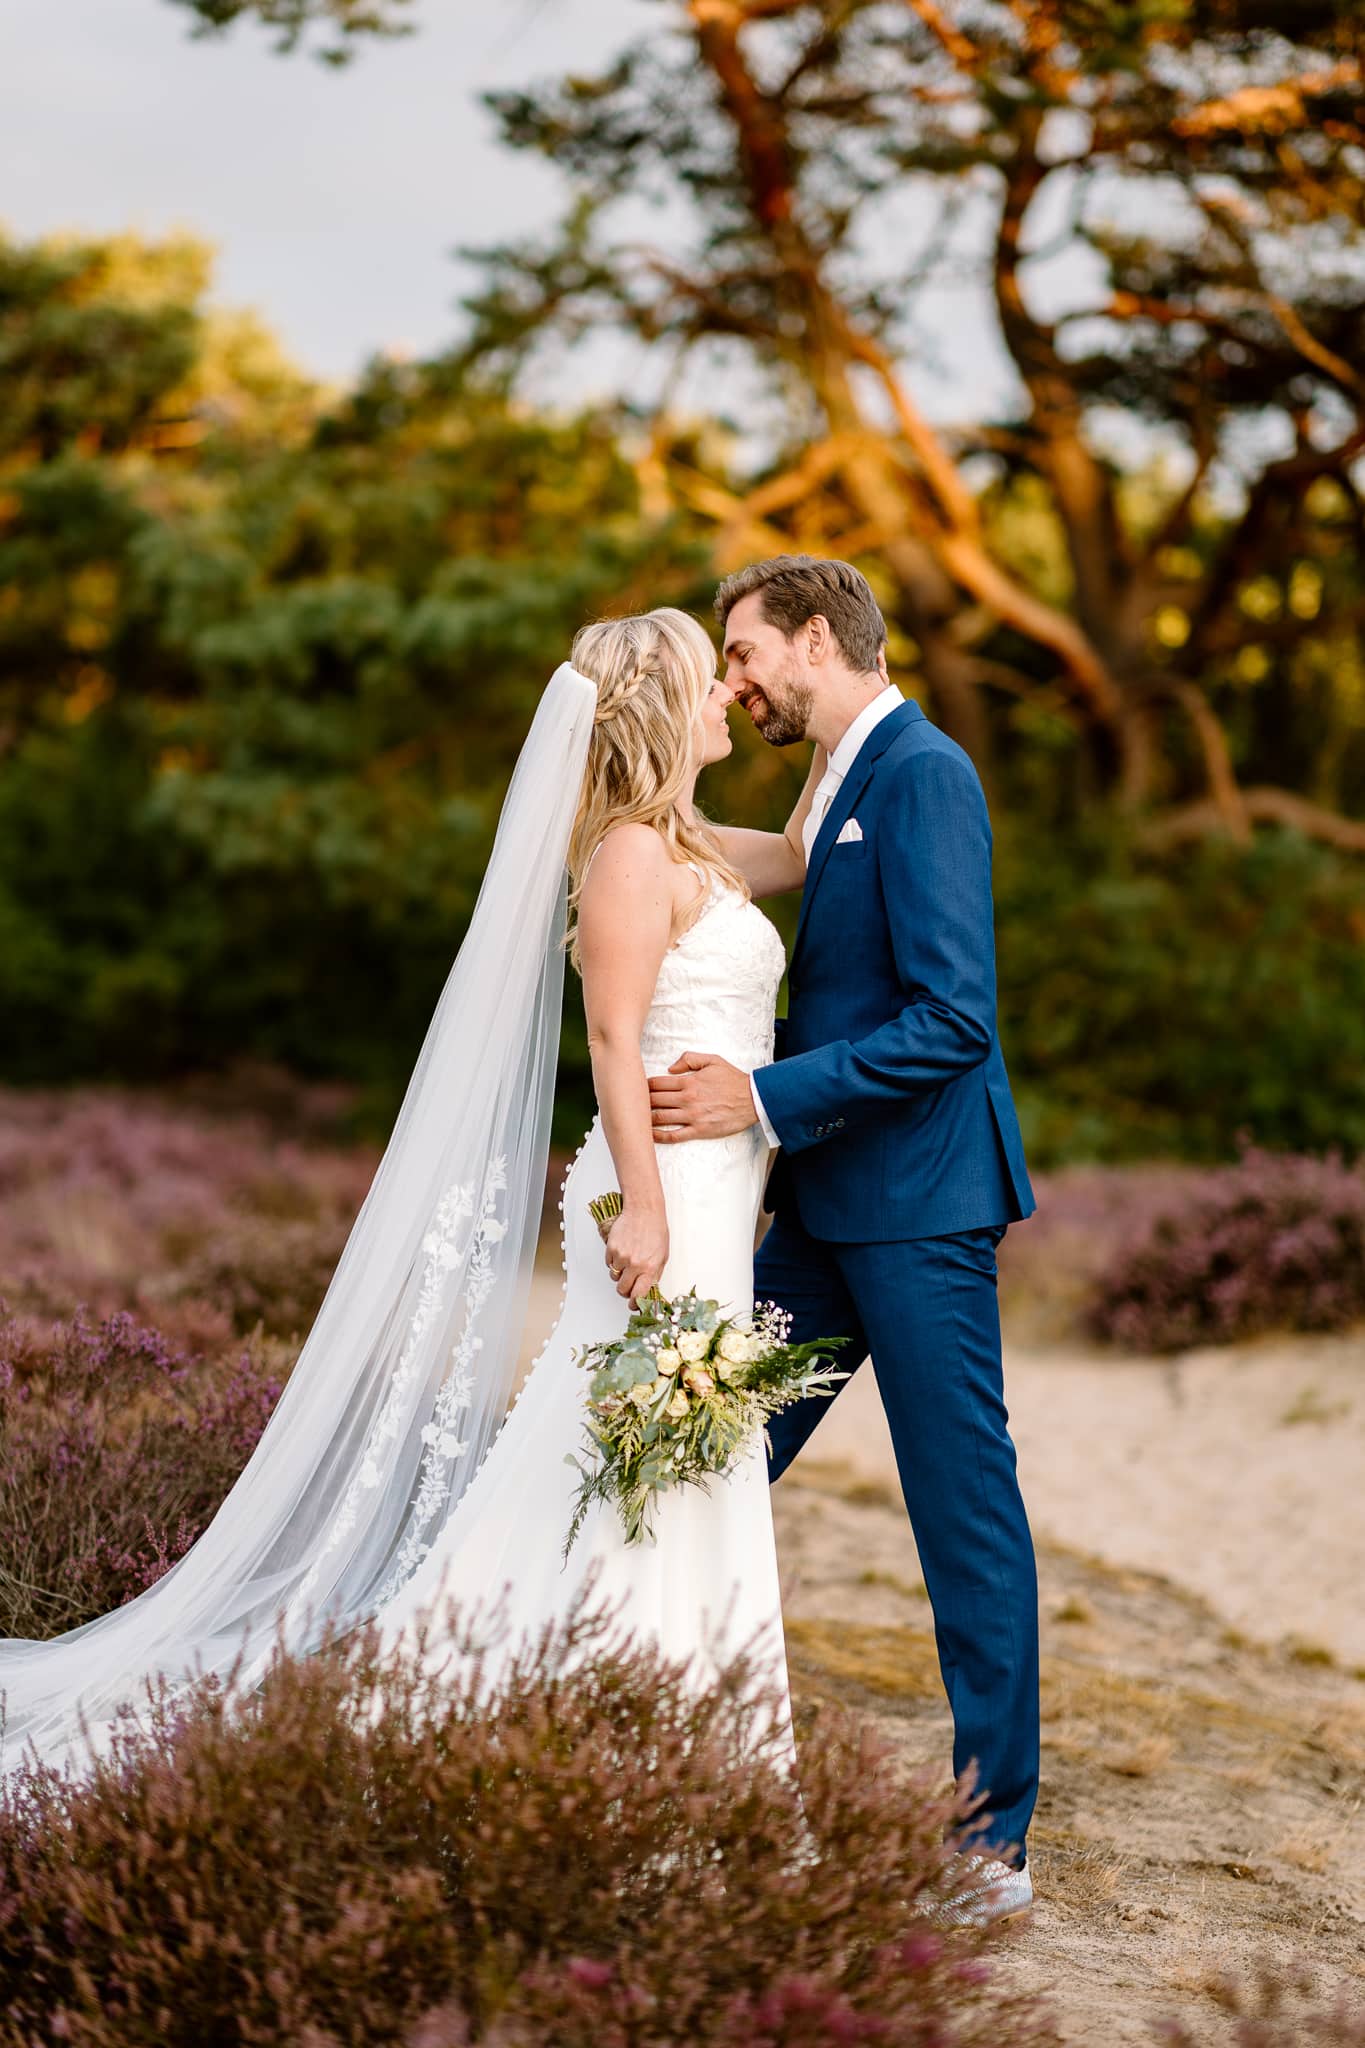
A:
826, 789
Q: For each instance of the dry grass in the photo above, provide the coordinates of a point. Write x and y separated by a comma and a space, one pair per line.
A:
1305, 1852
1192, 1973
1267, 1767
841, 1482
891, 1583
1141, 1759
1340, 1735
892, 1663
1075, 1873
1308, 1406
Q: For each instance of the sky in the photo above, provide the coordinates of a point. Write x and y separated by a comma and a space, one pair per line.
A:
336, 198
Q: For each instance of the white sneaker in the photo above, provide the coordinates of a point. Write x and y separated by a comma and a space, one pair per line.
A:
994, 1891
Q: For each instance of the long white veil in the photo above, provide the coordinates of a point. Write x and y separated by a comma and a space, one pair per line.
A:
406, 1374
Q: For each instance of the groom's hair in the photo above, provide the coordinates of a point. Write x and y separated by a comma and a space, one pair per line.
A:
795, 587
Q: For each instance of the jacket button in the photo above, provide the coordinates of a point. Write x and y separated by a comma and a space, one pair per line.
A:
838, 1123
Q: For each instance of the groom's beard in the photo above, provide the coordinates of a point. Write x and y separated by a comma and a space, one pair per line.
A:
782, 713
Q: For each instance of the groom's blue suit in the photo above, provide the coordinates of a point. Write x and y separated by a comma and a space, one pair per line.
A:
901, 1166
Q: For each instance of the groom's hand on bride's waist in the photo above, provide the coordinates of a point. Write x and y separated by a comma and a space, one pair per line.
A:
701, 1096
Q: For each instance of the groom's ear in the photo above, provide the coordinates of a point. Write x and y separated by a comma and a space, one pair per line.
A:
882, 669
820, 640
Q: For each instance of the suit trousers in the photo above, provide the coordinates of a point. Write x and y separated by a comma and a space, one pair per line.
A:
926, 1311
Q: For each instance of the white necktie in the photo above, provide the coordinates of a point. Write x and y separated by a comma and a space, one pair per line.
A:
826, 789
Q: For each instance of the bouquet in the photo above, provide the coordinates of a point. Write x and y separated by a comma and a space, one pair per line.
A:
676, 1399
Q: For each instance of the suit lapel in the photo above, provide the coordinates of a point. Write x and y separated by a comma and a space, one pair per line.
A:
846, 796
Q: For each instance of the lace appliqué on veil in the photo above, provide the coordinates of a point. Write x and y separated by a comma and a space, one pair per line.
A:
443, 1446
444, 1254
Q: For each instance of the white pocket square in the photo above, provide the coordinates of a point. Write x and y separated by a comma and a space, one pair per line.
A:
849, 833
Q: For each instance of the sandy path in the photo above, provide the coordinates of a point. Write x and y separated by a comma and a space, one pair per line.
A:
1239, 1473
1200, 1805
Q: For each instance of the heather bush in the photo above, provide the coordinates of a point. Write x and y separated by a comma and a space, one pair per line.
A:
1087, 1218
1274, 1242
266, 1272
116, 1448
126, 1202
598, 1857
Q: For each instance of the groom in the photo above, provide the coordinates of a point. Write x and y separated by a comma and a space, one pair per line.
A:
901, 1163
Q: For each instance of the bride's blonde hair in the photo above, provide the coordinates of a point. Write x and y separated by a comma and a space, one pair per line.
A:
652, 671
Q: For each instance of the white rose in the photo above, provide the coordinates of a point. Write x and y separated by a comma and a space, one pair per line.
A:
669, 1359
678, 1406
642, 1393
692, 1345
735, 1347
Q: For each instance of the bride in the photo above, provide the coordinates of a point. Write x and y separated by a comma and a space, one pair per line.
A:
391, 1476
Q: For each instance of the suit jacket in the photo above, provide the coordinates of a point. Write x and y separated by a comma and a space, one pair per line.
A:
888, 1090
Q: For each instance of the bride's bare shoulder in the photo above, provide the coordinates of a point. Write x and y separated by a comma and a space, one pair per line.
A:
632, 880
633, 858
629, 848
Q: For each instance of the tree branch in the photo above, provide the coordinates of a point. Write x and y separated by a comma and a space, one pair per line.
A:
1224, 793
1264, 805
960, 48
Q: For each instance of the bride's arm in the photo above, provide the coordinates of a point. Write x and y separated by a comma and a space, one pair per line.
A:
772, 862
625, 921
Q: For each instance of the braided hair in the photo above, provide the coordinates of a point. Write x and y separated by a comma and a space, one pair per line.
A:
652, 671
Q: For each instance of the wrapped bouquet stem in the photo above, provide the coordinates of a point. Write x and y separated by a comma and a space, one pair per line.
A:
604, 1210
681, 1396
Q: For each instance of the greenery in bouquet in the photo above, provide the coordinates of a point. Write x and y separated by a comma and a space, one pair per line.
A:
678, 1397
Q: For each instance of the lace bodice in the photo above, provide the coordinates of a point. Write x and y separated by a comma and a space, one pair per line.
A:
717, 986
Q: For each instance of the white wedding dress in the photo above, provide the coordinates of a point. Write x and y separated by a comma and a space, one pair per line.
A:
707, 1586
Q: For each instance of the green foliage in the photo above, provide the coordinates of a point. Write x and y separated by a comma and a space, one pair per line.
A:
292, 20
265, 663
1151, 1009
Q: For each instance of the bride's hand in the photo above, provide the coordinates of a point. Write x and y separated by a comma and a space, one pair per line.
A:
637, 1250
